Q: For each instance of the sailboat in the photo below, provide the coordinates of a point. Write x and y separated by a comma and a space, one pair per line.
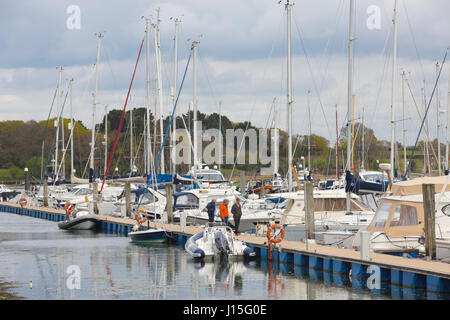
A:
139, 233
371, 182
398, 224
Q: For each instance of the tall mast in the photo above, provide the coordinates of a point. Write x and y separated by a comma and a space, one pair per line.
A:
309, 136
174, 94
437, 119
72, 129
131, 141
58, 101
160, 95
353, 128
337, 146
94, 102
106, 137
448, 121
220, 134
194, 102
147, 96
145, 145
403, 121
362, 141
426, 158
349, 97
394, 83
289, 94
276, 134
63, 142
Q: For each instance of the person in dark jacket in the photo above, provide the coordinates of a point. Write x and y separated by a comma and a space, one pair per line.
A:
211, 209
236, 210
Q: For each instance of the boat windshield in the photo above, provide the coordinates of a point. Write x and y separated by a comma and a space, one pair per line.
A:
212, 176
149, 198
187, 200
373, 177
82, 192
381, 216
446, 210
404, 215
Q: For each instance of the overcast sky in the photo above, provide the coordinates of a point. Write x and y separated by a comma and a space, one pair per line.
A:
241, 60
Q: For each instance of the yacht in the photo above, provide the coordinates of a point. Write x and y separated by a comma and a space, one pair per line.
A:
193, 203
209, 178
79, 220
398, 224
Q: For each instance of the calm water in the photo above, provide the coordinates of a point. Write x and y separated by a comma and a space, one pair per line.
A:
113, 268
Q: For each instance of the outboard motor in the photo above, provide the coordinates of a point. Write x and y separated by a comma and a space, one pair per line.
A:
221, 243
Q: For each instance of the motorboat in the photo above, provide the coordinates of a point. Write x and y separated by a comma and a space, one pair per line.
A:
153, 203
369, 182
108, 203
398, 224
192, 203
150, 235
208, 178
81, 220
217, 240
329, 205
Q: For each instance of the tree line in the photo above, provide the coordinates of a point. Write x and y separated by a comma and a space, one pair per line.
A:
28, 144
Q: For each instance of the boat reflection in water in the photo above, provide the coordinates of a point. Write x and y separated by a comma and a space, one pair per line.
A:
110, 267
224, 277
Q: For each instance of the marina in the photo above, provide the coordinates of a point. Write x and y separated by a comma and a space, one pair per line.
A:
113, 268
417, 278
163, 170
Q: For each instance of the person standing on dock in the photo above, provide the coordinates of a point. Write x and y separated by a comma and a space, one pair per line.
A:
236, 210
224, 211
211, 209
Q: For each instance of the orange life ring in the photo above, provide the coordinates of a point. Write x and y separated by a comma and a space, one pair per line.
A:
23, 202
69, 207
141, 221
269, 233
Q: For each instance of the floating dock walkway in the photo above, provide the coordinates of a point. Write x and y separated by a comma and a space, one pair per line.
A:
405, 278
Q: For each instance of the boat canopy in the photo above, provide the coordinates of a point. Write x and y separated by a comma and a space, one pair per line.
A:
414, 186
398, 218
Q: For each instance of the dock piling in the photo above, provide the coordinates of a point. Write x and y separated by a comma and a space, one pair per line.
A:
365, 245
45, 192
128, 199
169, 202
309, 210
95, 195
428, 209
242, 176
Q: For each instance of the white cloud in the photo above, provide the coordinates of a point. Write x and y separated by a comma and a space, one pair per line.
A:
242, 58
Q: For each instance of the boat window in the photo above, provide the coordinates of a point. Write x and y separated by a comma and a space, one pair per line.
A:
212, 176
404, 215
187, 199
374, 177
381, 216
82, 192
446, 210
149, 198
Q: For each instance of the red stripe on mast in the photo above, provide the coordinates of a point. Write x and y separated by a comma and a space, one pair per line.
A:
121, 118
